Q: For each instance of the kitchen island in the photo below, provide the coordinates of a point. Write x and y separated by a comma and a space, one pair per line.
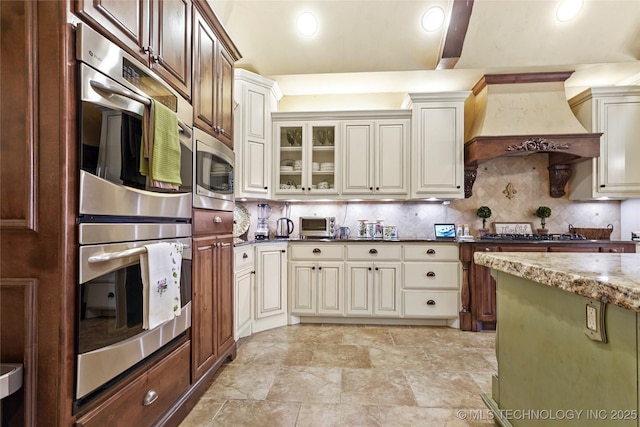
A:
567, 341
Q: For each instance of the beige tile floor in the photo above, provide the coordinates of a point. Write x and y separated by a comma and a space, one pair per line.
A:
345, 375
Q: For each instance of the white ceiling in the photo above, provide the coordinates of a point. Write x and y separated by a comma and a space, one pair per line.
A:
378, 46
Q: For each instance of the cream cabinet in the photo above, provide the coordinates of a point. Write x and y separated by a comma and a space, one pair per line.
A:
437, 145
244, 281
375, 157
270, 309
256, 98
316, 280
305, 162
615, 112
431, 281
373, 279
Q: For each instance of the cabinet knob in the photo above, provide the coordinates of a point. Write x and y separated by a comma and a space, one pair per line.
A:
614, 250
319, 268
283, 250
266, 188
431, 302
457, 186
377, 188
147, 49
221, 131
431, 274
431, 251
111, 295
217, 219
377, 268
487, 250
371, 188
373, 251
150, 397
317, 251
369, 268
245, 256
602, 185
157, 59
313, 268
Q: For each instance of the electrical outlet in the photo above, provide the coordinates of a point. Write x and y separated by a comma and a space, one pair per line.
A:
592, 316
594, 326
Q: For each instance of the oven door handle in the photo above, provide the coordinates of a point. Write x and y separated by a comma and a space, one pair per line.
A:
131, 95
122, 254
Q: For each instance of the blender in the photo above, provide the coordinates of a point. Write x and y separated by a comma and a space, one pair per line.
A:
262, 231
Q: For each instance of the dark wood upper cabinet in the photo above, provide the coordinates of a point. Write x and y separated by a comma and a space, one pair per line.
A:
156, 32
213, 76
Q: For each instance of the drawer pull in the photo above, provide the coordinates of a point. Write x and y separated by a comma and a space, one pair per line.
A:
487, 250
245, 256
431, 251
431, 274
111, 295
614, 250
217, 219
373, 251
151, 397
431, 302
317, 251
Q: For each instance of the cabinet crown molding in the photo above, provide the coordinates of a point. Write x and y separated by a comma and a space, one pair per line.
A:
343, 115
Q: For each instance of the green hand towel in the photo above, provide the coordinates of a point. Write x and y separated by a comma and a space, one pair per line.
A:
165, 155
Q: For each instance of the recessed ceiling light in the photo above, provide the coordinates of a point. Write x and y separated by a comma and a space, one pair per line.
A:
433, 18
568, 9
307, 24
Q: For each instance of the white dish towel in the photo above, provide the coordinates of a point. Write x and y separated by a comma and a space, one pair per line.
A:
160, 271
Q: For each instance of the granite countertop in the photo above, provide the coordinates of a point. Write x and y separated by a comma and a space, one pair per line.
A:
608, 277
238, 242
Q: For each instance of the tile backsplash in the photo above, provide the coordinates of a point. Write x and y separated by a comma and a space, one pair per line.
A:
529, 187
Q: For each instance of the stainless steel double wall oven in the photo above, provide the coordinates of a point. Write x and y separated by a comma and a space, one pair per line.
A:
119, 213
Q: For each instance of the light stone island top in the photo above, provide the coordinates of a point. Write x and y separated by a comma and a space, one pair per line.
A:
607, 277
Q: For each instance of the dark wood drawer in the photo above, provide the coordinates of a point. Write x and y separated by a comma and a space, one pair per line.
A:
212, 222
162, 385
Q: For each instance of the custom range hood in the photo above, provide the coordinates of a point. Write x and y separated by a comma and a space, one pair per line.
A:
524, 114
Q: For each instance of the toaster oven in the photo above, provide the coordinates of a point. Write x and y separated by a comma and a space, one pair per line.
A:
319, 227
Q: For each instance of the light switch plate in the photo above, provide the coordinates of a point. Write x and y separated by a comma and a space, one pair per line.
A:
594, 326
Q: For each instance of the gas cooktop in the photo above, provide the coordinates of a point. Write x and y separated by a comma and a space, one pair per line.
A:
533, 237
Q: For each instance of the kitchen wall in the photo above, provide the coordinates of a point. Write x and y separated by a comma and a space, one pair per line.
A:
529, 180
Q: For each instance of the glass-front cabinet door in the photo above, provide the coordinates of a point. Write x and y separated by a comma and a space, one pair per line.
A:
305, 158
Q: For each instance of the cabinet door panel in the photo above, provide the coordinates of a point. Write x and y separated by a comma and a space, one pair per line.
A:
270, 295
357, 154
256, 124
172, 43
303, 289
255, 175
243, 295
387, 289
330, 289
359, 289
621, 129
224, 294
202, 330
391, 159
224, 104
204, 51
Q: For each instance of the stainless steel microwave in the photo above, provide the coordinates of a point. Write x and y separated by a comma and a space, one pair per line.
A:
214, 163
315, 226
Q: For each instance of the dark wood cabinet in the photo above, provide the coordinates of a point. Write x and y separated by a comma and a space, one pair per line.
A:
479, 287
212, 299
156, 32
213, 76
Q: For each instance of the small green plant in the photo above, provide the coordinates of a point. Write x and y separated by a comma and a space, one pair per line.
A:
543, 212
484, 212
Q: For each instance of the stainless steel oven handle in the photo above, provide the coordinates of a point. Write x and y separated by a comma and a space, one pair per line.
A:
131, 95
122, 254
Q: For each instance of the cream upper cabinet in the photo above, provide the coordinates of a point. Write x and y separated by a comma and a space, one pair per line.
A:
375, 157
256, 98
615, 174
305, 162
437, 145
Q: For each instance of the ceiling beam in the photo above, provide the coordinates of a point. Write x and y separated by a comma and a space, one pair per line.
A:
454, 40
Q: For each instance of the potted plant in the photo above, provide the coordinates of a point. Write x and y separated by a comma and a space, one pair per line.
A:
543, 212
483, 212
